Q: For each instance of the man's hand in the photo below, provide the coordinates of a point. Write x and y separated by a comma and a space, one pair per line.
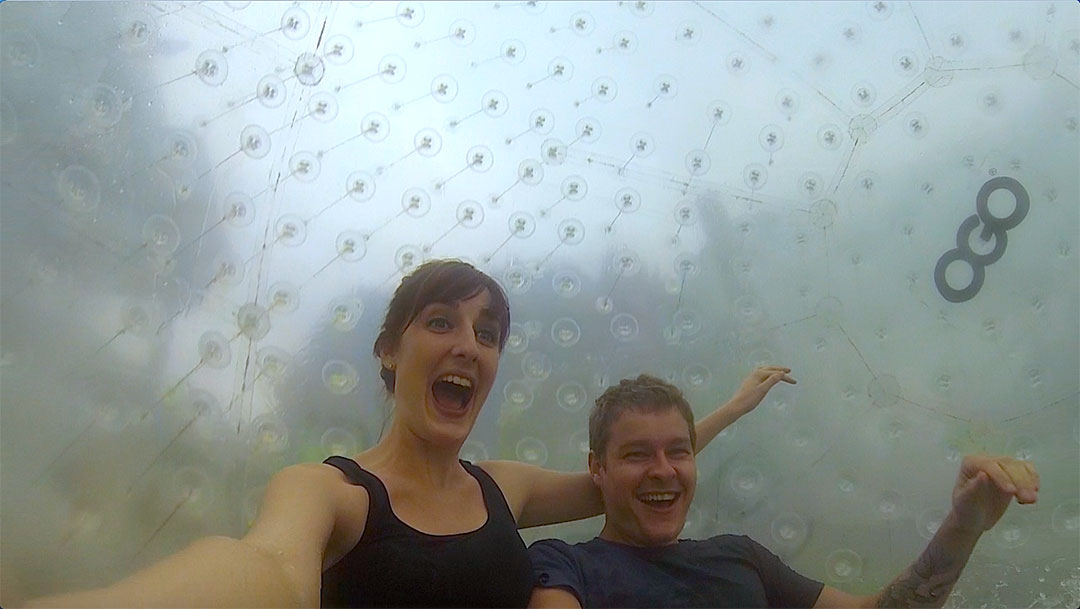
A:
986, 486
757, 384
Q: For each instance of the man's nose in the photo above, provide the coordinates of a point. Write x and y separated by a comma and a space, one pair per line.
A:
661, 467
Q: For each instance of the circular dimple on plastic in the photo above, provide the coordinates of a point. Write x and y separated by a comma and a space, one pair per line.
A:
687, 323
626, 263
345, 312
305, 166
444, 88
214, 350
604, 305
889, 505
579, 441
410, 14
255, 141
253, 321
521, 224
748, 310
407, 258
719, 112
624, 327
532, 451
337, 441
517, 340
530, 172
697, 376
269, 434
350, 246
989, 101
574, 188
771, 138
642, 144
323, 107
518, 394
101, 107
811, 185
906, 63
541, 121
469, 214
916, 125
392, 69
518, 280
273, 362
553, 151
746, 481
1040, 62
566, 284
512, 51
1008, 533
929, 521
571, 396
79, 188
884, 391
283, 296
309, 69
787, 102
212, 67
137, 28
571, 231
738, 63
536, 365
565, 332
427, 142
560, 69
291, 230
494, 103
843, 565
161, 235
830, 136
473, 451
360, 186
375, 126
755, 176
339, 49
339, 376
415, 202
698, 162
789, 530
295, 23
1066, 518
228, 269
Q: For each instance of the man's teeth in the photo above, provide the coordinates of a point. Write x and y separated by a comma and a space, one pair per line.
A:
457, 380
657, 497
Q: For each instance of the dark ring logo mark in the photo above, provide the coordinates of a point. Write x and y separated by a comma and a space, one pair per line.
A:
992, 226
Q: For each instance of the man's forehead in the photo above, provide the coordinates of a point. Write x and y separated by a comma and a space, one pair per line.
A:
641, 425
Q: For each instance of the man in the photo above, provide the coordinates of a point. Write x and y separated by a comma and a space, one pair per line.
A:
641, 437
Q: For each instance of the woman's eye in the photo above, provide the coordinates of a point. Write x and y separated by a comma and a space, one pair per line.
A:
438, 323
489, 337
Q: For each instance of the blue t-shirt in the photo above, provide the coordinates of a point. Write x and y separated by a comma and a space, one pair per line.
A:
723, 571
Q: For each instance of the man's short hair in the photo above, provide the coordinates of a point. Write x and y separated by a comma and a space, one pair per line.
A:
643, 394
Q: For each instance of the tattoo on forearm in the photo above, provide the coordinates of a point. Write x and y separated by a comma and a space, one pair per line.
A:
926, 583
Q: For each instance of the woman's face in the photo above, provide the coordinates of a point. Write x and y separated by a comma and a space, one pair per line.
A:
445, 363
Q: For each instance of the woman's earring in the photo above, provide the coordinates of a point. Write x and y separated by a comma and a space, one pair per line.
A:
390, 365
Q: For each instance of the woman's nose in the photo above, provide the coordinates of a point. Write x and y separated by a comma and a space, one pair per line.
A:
465, 345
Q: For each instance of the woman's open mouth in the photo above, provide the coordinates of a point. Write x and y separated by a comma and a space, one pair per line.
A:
452, 394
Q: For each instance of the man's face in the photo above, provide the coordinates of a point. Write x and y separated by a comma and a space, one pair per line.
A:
647, 477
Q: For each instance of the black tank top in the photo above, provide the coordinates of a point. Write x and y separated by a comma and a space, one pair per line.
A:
394, 565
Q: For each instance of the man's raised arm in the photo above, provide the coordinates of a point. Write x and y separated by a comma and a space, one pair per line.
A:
984, 489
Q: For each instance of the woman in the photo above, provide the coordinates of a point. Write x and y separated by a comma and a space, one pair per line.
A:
405, 523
